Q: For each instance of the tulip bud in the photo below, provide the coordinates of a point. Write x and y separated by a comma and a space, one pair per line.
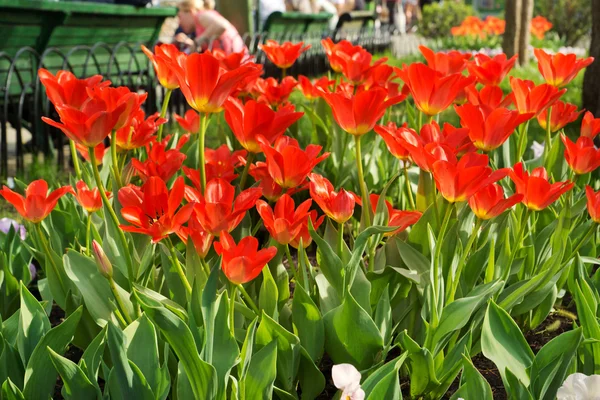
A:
127, 173
102, 261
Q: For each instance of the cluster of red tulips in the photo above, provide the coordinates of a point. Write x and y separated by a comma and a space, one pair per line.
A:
259, 113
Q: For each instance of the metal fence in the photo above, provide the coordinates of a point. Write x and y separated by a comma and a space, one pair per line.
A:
24, 137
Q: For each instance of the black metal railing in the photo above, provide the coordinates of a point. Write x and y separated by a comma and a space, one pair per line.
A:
23, 100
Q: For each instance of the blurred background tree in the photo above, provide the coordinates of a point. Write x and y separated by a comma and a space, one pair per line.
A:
571, 19
591, 79
438, 18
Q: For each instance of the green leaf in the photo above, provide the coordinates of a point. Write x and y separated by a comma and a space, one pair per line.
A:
76, 384
269, 295
351, 336
551, 364
225, 345
209, 312
257, 383
383, 316
515, 388
10, 391
247, 348
308, 323
420, 364
504, 344
92, 356
11, 366
383, 383
33, 324
39, 381
176, 289
311, 378
476, 385
288, 349
414, 260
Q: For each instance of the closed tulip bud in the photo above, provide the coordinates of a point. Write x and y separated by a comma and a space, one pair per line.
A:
102, 261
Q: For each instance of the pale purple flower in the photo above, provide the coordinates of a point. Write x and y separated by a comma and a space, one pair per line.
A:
5, 224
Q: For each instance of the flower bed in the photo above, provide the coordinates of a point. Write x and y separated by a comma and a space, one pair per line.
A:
293, 238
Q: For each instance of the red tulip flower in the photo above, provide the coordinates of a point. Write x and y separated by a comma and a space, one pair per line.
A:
219, 209
488, 98
220, 163
489, 202
358, 114
313, 91
90, 199
37, 203
582, 156
164, 56
458, 182
337, 53
489, 131
539, 26
456, 138
561, 115
242, 262
424, 153
490, 70
285, 221
65, 89
153, 210
283, 55
446, 63
303, 237
270, 189
356, 67
396, 218
206, 85
390, 134
339, 206
379, 75
139, 133
99, 152
537, 192
160, 162
560, 69
201, 239
250, 120
288, 164
190, 122
432, 91
274, 93
590, 126
532, 99
114, 98
593, 203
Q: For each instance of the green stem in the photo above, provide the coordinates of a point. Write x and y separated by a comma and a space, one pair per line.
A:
178, 268
420, 122
249, 300
163, 113
548, 136
583, 241
343, 155
291, 261
232, 309
244, 176
436, 261
205, 267
517, 245
201, 165
113, 215
75, 158
115, 160
49, 257
366, 207
409, 193
340, 243
88, 229
120, 304
283, 72
455, 279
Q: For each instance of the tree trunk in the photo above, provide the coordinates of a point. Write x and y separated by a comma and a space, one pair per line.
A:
591, 79
524, 35
512, 16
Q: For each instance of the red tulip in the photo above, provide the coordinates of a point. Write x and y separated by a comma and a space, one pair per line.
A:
488, 98
288, 164
242, 262
256, 119
532, 99
190, 122
561, 115
582, 156
446, 63
357, 67
490, 70
160, 162
539, 26
274, 93
456, 138
458, 182
338, 52
560, 69
590, 126
220, 163
114, 98
270, 189
537, 192
285, 221
390, 134
99, 151
218, 209
339, 206
152, 209
89, 199
432, 91
65, 89
313, 91
201, 239
424, 153
231, 61
379, 75
304, 234
489, 131
37, 203
489, 202
593, 203
140, 132
164, 56
206, 85
396, 218
358, 114
283, 55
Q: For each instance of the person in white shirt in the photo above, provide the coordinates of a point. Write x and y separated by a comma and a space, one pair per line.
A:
267, 7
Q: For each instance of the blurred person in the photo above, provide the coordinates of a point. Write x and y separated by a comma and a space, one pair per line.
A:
268, 7
412, 13
206, 24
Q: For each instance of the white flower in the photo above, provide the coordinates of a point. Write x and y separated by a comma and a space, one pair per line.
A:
580, 387
347, 379
538, 149
10, 182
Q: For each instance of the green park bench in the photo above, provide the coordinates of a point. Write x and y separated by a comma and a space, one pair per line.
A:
294, 23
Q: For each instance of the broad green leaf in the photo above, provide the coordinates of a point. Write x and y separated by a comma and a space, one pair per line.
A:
247, 348
75, 384
10, 391
209, 312
452, 364
504, 344
33, 324
414, 260
11, 366
383, 383
308, 323
39, 381
92, 356
257, 383
515, 388
383, 316
476, 385
269, 295
311, 378
176, 289
420, 364
226, 350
